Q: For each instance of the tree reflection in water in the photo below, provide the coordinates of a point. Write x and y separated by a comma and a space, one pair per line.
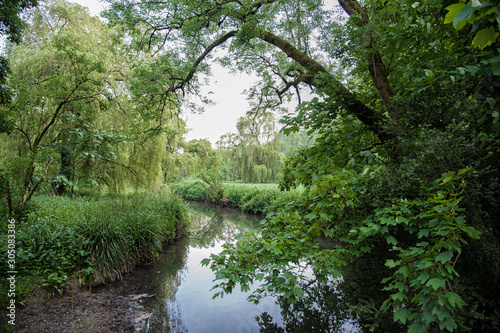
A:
182, 300
212, 225
321, 309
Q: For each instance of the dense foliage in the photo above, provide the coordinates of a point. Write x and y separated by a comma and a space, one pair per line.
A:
403, 172
77, 117
11, 26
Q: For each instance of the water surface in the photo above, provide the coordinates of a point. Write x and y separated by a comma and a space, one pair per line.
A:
176, 290
179, 286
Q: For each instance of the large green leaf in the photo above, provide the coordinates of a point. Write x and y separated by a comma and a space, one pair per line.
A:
402, 314
485, 37
453, 11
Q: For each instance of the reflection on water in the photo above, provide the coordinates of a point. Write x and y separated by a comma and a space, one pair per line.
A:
179, 286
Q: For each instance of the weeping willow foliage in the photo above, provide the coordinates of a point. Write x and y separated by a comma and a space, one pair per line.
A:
189, 159
260, 164
146, 159
252, 155
76, 119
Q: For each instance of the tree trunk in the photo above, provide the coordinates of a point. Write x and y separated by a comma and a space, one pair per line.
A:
64, 170
376, 66
9, 199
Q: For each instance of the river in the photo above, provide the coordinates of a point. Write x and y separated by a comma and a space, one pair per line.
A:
175, 291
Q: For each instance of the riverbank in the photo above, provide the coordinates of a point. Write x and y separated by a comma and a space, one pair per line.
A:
175, 290
62, 244
258, 199
80, 311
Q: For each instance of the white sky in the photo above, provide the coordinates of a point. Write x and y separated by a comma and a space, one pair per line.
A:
226, 90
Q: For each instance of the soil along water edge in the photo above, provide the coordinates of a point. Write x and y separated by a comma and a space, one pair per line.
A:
65, 243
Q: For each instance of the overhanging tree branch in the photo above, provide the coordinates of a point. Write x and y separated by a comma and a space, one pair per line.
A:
350, 102
219, 41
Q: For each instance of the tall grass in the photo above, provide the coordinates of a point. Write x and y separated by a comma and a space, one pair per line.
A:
124, 232
96, 239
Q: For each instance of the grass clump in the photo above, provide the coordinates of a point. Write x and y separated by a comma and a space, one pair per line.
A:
94, 239
141, 225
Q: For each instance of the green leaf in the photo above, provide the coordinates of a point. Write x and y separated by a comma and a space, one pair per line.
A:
452, 11
448, 323
405, 270
402, 219
402, 314
398, 296
310, 216
436, 283
391, 240
444, 257
205, 262
485, 37
495, 115
441, 313
298, 291
423, 233
390, 263
454, 299
417, 328
472, 232
472, 69
463, 16
423, 277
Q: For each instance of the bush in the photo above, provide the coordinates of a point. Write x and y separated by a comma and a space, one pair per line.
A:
191, 190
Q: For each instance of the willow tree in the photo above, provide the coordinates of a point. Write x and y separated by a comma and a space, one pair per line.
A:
59, 78
252, 155
405, 113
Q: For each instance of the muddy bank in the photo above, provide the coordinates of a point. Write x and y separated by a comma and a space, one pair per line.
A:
81, 311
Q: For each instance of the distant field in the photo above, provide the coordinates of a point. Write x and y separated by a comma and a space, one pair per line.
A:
260, 186
255, 198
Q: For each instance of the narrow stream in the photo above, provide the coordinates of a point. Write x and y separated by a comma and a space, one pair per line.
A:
175, 292
178, 286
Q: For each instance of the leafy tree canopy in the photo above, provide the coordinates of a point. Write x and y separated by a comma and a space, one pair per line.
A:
11, 25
